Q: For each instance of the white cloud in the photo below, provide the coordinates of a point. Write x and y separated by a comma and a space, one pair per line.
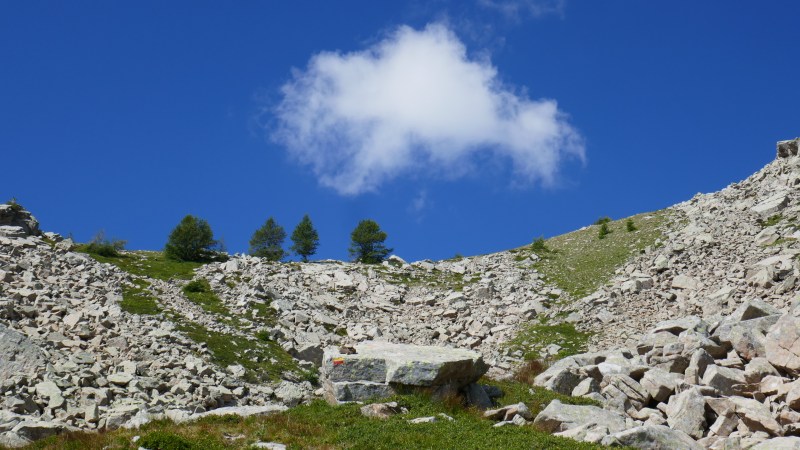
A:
415, 103
419, 203
519, 8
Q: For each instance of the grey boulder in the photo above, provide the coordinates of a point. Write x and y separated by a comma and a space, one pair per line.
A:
387, 367
557, 417
652, 437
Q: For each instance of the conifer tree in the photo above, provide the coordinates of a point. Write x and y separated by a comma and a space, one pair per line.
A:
191, 240
267, 241
305, 239
366, 244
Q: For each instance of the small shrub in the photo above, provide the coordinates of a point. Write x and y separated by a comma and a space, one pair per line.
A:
15, 206
539, 245
528, 371
603, 220
630, 226
199, 285
603, 231
102, 246
263, 336
163, 440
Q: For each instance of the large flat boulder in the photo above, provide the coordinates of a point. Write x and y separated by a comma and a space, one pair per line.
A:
380, 368
18, 354
782, 344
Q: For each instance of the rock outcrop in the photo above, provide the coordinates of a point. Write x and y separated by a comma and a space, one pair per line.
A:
17, 222
382, 369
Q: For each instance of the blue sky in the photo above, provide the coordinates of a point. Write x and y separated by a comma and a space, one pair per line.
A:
460, 127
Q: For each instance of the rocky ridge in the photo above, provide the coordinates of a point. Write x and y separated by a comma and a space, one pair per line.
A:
723, 248
74, 358
721, 371
729, 268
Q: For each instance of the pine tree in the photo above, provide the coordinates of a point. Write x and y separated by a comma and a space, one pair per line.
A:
267, 241
305, 239
366, 244
603, 231
191, 240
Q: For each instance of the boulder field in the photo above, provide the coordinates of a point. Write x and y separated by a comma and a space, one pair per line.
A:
694, 340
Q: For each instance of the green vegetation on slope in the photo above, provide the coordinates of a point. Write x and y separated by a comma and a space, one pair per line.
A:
535, 398
199, 291
137, 300
319, 425
580, 262
435, 278
263, 358
148, 264
534, 337
772, 220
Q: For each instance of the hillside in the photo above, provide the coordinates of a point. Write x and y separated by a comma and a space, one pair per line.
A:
93, 343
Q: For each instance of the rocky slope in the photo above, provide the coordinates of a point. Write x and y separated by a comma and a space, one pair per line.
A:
75, 355
72, 358
722, 371
723, 248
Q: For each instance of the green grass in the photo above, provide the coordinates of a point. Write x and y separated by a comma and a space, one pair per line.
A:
535, 397
772, 220
136, 299
321, 426
49, 242
264, 313
263, 358
150, 264
781, 242
200, 293
533, 337
435, 278
579, 262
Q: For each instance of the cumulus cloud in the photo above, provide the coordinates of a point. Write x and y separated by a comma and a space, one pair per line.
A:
415, 102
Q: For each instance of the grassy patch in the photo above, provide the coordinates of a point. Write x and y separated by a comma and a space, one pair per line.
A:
579, 262
781, 241
319, 425
149, 264
264, 313
533, 337
49, 242
535, 397
263, 358
772, 220
435, 278
136, 299
200, 293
